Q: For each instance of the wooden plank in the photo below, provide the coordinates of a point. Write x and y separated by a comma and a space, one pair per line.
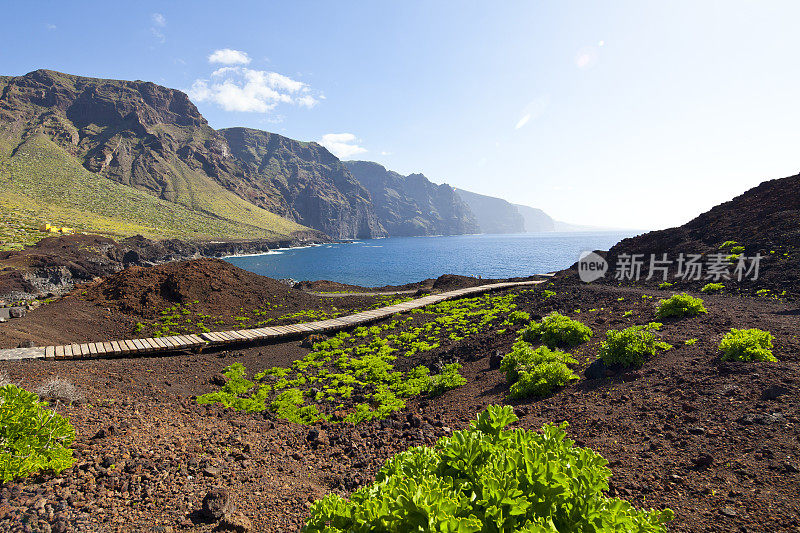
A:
161, 345
170, 341
116, 349
131, 346
101, 348
50, 352
196, 340
84, 350
93, 348
59, 352
150, 344
138, 344
107, 347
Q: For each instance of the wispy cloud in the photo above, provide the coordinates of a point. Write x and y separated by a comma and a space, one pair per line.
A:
227, 56
342, 145
248, 90
588, 55
533, 110
50, 26
524, 120
158, 23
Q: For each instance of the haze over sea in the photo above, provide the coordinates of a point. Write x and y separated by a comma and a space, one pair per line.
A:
399, 260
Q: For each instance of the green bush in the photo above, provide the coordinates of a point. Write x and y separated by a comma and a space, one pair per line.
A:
632, 345
557, 330
664, 285
712, 287
488, 479
449, 378
680, 305
32, 437
737, 250
536, 371
518, 317
747, 345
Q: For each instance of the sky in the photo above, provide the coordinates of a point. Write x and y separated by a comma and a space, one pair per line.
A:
632, 114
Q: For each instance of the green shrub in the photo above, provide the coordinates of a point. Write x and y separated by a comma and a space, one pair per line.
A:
32, 437
747, 345
727, 244
557, 330
664, 285
549, 293
449, 378
737, 250
518, 317
536, 371
488, 479
680, 305
632, 345
712, 287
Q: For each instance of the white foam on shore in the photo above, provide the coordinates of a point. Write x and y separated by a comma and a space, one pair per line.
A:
275, 251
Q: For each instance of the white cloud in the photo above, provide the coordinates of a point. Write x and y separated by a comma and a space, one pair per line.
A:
226, 56
524, 120
254, 91
159, 21
50, 27
342, 145
386, 153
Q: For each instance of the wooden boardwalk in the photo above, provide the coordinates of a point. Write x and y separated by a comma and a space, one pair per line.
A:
150, 345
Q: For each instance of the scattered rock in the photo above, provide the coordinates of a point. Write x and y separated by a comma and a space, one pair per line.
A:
217, 503
17, 312
728, 511
211, 471
703, 460
218, 379
495, 360
104, 432
773, 392
309, 341
235, 522
25, 344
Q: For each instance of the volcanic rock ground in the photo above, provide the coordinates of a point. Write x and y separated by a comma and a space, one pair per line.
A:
717, 442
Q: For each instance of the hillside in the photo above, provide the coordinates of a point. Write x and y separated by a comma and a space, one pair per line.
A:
178, 174
765, 220
494, 215
304, 182
412, 205
536, 220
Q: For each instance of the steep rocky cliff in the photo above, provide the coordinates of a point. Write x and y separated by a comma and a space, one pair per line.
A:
494, 215
153, 139
536, 220
304, 182
412, 205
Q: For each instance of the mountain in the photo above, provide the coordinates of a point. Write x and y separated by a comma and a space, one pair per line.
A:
125, 157
412, 205
304, 182
494, 215
536, 220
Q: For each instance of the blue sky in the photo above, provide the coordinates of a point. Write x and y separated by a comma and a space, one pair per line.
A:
630, 114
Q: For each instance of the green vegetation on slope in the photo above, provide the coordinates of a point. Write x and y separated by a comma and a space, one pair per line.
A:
39, 182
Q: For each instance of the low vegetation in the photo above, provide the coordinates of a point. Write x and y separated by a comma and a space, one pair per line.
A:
712, 287
557, 330
680, 305
32, 437
632, 345
487, 478
536, 371
747, 345
351, 377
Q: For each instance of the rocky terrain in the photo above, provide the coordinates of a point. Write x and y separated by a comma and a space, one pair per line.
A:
55, 264
717, 442
412, 205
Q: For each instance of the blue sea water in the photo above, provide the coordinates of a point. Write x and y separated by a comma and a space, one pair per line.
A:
398, 260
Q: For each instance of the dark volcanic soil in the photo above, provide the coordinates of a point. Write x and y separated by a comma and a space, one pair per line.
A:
110, 308
716, 442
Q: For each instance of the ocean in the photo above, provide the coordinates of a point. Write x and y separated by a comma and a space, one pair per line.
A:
399, 260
